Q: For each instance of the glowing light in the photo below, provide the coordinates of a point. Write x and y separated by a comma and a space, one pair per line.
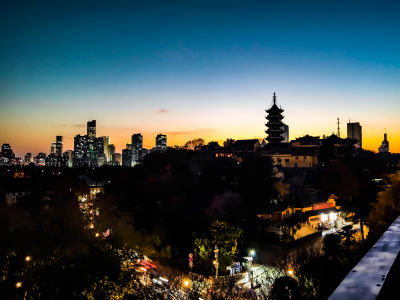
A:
332, 217
163, 279
18, 284
97, 234
143, 269
324, 217
290, 272
252, 252
28, 258
186, 282
91, 226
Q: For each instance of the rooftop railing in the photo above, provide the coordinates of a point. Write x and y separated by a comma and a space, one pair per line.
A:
366, 279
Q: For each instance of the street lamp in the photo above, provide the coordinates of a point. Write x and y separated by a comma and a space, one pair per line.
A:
186, 282
290, 272
18, 284
28, 258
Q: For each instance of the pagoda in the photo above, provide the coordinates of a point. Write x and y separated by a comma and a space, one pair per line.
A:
274, 125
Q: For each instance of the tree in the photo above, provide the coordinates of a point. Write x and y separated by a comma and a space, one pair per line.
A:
222, 235
228, 145
194, 144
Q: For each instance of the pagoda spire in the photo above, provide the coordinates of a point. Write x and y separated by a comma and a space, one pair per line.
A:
274, 98
274, 125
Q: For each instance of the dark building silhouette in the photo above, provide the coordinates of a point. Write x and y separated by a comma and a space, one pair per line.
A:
275, 126
59, 146
384, 147
354, 131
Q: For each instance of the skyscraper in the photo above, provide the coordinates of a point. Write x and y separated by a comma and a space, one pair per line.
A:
91, 133
59, 146
274, 125
137, 146
106, 140
100, 157
6, 154
81, 150
111, 151
354, 131
28, 158
161, 142
127, 158
384, 147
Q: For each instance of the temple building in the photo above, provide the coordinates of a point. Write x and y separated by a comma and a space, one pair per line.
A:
275, 126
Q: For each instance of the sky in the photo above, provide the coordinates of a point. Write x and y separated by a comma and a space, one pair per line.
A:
194, 69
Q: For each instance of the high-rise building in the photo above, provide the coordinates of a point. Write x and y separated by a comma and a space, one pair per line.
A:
59, 146
161, 142
91, 133
6, 155
116, 159
127, 158
274, 125
111, 151
384, 147
354, 131
53, 148
100, 157
106, 140
40, 159
28, 158
81, 150
137, 146
68, 159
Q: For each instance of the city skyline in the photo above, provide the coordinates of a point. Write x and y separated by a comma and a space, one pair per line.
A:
189, 72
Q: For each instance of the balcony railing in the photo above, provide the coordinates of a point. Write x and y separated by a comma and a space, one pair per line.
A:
366, 279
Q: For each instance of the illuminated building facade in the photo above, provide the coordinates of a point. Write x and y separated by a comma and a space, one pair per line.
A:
137, 147
127, 158
6, 155
91, 134
28, 158
81, 150
161, 142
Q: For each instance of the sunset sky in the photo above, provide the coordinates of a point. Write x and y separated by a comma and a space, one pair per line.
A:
196, 69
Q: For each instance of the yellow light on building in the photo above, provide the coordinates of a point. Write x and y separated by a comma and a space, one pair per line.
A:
186, 282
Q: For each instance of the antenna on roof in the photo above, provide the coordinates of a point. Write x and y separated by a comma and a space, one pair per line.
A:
338, 127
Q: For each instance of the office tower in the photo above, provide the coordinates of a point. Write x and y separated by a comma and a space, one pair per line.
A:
28, 158
91, 133
274, 125
127, 158
111, 151
53, 148
106, 140
128, 146
116, 159
384, 147
285, 133
40, 159
100, 157
7, 154
59, 146
68, 158
354, 131
161, 142
137, 146
81, 150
